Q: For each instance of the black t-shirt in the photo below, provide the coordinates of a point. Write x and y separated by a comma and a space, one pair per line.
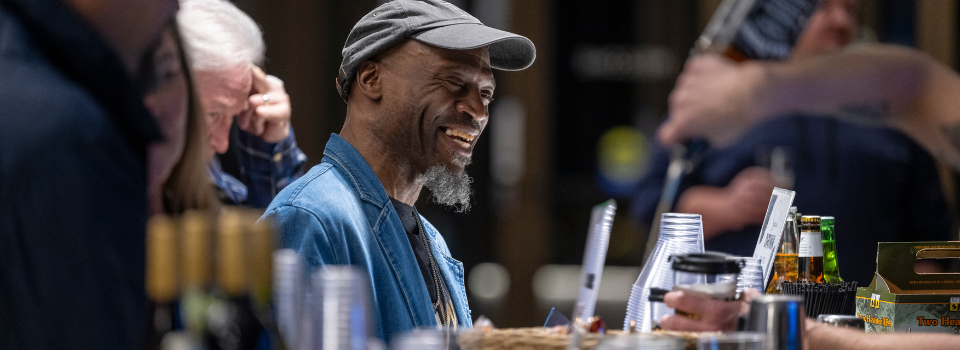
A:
439, 295
408, 217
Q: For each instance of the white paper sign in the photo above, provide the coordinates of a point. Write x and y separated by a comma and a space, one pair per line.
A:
772, 230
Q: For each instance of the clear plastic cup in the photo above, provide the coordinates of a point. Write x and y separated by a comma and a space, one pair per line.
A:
712, 275
751, 275
341, 310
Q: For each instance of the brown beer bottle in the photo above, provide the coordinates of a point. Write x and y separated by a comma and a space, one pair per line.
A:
785, 265
161, 281
231, 321
810, 252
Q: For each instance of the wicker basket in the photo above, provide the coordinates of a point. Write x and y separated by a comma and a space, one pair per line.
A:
539, 338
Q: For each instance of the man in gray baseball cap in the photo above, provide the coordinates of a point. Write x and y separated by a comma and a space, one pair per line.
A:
417, 78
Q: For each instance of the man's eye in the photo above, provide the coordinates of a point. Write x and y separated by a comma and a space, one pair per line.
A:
487, 99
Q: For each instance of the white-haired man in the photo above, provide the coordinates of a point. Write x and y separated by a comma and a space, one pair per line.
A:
225, 46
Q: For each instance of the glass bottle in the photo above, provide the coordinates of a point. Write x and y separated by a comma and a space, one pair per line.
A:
810, 251
196, 257
831, 271
231, 322
161, 281
785, 264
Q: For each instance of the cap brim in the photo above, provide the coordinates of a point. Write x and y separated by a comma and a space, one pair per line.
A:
508, 51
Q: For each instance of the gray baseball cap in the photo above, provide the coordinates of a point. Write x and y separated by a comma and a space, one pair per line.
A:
434, 22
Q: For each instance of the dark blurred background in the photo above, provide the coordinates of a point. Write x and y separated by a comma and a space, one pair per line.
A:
566, 134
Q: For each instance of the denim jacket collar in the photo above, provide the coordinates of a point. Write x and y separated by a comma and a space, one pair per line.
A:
385, 223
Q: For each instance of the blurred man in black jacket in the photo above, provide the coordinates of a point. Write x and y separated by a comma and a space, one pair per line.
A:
73, 137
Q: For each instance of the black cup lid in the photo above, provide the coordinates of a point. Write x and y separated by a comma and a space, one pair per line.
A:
713, 263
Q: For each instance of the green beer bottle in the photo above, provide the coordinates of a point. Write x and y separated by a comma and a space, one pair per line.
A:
831, 271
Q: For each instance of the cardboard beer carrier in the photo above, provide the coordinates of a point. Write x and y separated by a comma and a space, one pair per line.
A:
901, 300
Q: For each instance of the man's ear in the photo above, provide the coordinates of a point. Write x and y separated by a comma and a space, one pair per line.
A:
368, 80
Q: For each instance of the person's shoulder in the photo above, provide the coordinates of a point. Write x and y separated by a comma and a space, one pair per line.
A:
321, 192
39, 101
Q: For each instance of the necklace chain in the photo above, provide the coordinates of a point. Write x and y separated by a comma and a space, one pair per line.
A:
436, 273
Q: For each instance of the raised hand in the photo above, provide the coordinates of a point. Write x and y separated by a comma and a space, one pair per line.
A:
268, 113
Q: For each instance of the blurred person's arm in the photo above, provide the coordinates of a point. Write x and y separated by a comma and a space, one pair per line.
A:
718, 100
740, 204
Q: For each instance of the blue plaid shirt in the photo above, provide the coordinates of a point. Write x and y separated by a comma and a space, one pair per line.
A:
267, 167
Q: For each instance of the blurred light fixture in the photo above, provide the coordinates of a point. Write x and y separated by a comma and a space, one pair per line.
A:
488, 281
623, 63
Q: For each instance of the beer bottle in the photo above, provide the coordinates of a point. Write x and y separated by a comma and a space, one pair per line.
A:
260, 247
231, 322
196, 256
831, 271
161, 281
810, 251
785, 265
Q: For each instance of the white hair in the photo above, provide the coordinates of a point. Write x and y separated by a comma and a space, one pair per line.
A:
218, 36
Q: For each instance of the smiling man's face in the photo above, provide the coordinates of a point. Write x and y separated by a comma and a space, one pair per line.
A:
435, 103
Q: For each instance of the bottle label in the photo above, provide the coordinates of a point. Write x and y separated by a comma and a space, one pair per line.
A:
810, 245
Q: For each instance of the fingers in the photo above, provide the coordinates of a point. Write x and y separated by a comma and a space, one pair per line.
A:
714, 314
275, 82
669, 134
256, 121
268, 114
760, 173
703, 104
746, 296
278, 113
260, 83
250, 122
686, 324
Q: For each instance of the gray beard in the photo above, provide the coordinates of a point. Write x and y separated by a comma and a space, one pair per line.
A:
447, 188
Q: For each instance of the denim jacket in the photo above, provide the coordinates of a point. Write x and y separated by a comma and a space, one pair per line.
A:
339, 214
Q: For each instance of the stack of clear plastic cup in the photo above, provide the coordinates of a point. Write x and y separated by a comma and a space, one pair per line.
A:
288, 296
751, 275
341, 308
594, 256
679, 234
